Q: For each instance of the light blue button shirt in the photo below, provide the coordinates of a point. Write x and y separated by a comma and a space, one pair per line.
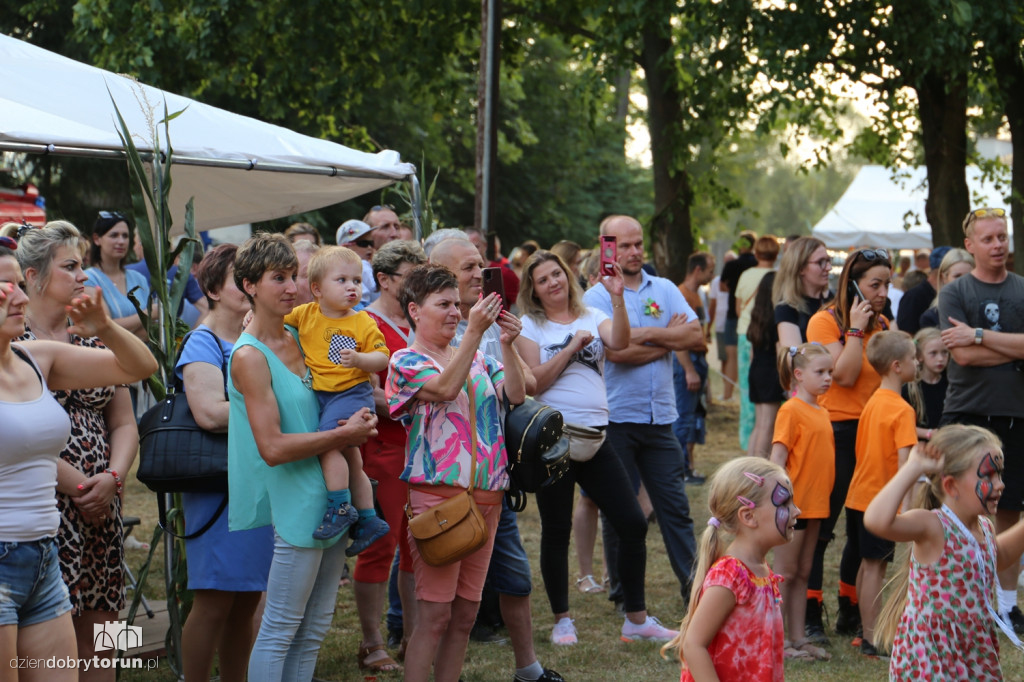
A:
642, 394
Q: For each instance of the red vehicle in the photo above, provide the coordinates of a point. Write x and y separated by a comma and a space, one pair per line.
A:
20, 204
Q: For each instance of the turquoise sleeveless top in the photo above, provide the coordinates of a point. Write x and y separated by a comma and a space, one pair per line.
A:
290, 496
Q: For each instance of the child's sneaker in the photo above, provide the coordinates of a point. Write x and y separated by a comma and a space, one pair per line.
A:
564, 633
651, 630
336, 521
365, 533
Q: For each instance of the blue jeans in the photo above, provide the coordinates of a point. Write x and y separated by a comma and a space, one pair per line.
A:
301, 594
395, 617
509, 571
689, 427
652, 452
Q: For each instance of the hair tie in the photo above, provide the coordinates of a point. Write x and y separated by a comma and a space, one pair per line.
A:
23, 228
792, 351
714, 522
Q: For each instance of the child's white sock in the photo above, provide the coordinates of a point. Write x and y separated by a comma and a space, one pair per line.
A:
1007, 600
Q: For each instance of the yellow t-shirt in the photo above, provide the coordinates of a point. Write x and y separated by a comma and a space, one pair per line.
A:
322, 337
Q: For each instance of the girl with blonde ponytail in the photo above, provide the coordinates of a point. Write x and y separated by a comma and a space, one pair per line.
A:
939, 619
733, 627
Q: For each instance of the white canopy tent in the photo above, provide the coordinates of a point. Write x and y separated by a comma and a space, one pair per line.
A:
878, 211
239, 170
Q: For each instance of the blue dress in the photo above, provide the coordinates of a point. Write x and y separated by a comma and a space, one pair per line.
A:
220, 559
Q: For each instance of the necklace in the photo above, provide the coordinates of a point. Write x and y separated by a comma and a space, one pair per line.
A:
37, 331
451, 352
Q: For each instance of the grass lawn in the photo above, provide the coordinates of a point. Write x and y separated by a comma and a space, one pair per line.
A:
600, 655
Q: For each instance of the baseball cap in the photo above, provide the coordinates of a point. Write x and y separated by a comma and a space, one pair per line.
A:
935, 259
351, 230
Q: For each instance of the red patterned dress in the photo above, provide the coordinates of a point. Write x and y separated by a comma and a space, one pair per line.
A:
945, 632
749, 645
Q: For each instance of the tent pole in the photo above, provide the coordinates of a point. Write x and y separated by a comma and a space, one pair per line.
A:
417, 206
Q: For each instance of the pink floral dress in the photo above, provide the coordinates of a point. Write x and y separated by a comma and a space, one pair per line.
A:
945, 632
749, 645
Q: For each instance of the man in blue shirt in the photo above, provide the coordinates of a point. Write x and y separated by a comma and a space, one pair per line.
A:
641, 395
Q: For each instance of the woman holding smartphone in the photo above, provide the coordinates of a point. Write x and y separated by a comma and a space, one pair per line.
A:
844, 327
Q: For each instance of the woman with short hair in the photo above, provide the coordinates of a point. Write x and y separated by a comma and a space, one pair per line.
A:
428, 388
274, 475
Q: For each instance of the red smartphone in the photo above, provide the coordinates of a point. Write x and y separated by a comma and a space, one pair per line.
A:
609, 251
494, 284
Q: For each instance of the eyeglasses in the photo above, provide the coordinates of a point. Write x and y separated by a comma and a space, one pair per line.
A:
874, 254
111, 215
824, 263
8, 243
382, 207
363, 243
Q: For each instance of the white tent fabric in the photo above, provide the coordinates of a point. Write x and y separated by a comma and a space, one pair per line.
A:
49, 103
878, 211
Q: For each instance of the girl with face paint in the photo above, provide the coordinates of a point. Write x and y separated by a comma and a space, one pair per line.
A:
940, 618
733, 628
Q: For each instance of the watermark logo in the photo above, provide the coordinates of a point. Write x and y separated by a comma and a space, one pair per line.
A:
116, 634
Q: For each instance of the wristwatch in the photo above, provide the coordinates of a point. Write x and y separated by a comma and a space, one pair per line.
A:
978, 331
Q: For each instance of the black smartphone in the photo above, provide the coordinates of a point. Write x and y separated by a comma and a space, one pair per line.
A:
609, 252
494, 284
855, 290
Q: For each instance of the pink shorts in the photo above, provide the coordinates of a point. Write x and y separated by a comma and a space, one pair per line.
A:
464, 578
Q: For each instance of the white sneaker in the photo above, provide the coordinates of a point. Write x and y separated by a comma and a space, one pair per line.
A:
564, 633
651, 630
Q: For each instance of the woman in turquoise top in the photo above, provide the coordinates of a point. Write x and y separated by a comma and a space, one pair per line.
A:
111, 241
273, 472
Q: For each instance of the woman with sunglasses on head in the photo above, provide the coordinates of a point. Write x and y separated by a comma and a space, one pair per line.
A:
844, 327
111, 242
35, 609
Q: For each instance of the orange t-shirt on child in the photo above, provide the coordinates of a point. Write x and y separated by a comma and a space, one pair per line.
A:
845, 402
807, 433
887, 424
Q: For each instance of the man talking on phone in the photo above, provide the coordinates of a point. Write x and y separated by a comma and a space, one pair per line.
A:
641, 395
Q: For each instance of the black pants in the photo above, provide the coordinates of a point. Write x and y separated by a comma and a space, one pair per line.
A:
846, 458
607, 484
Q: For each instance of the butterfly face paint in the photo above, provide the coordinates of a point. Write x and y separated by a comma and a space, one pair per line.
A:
781, 497
988, 469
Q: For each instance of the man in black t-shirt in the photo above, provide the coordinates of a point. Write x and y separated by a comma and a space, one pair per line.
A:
730, 277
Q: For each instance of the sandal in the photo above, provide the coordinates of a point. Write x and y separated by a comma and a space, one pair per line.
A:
791, 653
381, 665
587, 585
402, 648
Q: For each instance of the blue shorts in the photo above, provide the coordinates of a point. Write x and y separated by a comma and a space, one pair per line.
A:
32, 589
730, 337
344, 404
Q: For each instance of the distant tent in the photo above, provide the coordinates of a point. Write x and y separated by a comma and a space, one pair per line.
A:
878, 211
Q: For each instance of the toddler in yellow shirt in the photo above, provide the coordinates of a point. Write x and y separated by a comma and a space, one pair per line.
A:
343, 347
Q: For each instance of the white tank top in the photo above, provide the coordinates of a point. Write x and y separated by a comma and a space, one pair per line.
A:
34, 433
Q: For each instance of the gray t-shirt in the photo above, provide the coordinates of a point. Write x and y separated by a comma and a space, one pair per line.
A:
995, 391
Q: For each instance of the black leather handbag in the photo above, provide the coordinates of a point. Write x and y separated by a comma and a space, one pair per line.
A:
538, 451
176, 455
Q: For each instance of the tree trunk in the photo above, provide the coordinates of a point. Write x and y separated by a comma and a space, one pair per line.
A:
1010, 75
671, 234
942, 102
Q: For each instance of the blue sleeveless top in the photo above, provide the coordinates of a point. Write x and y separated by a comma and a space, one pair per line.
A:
119, 304
290, 496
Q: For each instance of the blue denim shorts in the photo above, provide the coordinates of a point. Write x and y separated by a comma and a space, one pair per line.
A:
335, 406
509, 572
31, 588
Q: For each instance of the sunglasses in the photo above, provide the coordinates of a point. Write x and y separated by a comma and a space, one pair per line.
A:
874, 254
111, 215
363, 243
382, 207
8, 243
979, 213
